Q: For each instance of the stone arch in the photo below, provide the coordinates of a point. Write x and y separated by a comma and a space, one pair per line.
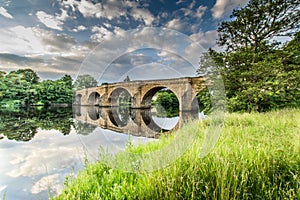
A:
146, 103
94, 113
119, 119
150, 123
113, 97
94, 98
147, 97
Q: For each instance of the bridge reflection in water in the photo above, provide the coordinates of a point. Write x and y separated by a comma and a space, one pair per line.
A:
137, 122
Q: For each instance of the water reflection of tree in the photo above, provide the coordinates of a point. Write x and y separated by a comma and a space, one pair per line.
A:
165, 111
124, 99
23, 125
83, 128
17, 128
56, 118
124, 114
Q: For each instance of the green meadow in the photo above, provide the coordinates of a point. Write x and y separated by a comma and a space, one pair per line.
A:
256, 157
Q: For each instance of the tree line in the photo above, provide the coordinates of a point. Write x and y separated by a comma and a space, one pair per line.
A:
23, 88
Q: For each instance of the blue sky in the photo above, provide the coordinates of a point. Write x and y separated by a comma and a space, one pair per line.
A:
57, 37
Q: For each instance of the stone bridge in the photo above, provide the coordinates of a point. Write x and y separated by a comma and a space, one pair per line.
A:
142, 92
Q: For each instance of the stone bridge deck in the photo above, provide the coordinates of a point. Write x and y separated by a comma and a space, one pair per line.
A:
141, 92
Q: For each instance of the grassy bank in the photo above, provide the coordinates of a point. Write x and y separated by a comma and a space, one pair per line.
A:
257, 157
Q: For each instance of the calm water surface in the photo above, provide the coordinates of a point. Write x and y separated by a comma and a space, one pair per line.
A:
40, 147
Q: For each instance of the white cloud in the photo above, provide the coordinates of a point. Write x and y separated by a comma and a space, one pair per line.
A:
107, 25
101, 33
114, 9
193, 3
179, 2
46, 52
207, 39
79, 28
142, 14
223, 7
89, 9
50, 181
110, 9
197, 36
175, 24
30, 41
200, 11
49, 20
20, 40
4, 13
63, 16
187, 12
53, 21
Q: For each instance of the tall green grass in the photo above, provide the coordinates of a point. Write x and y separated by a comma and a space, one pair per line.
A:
257, 157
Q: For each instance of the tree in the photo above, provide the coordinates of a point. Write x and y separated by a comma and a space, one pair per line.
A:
270, 81
127, 79
2, 84
260, 21
84, 81
2, 74
55, 92
258, 74
19, 86
29, 75
166, 103
22, 88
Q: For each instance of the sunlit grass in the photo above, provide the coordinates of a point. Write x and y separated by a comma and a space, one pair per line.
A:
257, 157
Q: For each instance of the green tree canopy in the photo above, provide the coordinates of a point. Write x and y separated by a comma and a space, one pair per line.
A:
84, 81
22, 88
19, 86
259, 22
55, 91
271, 80
27, 74
258, 74
2, 74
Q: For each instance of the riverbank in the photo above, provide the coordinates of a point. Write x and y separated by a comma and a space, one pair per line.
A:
257, 157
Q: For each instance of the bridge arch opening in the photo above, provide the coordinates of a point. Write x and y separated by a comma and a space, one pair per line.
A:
94, 98
121, 102
94, 113
119, 116
164, 108
201, 104
120, 97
